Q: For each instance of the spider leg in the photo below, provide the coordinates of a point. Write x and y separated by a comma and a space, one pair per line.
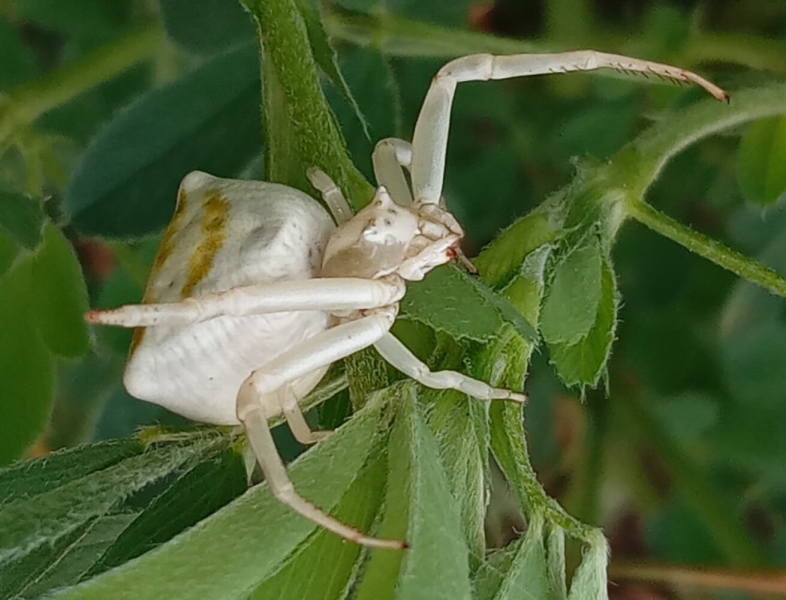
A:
390, 157
320, 351
313, 354
331, 194
328, 294
300, 428
398, 355
431, 130
281, 486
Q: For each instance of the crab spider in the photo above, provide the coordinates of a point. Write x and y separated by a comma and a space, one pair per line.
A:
255, 291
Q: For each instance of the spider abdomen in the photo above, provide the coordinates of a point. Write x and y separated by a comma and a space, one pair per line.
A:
196, 371
229, 233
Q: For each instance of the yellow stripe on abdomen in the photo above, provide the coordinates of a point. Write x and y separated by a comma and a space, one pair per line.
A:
165, 249
213, 229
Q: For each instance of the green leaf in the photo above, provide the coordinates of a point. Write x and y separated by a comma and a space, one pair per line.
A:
126, 181
527, 577
30, 523
206, 26
509, 312
460, 427
62, 562
252, 536
22, 218
589, 581
59, 295
761, 161
505, 362
492, 572
583, 363
329, 561
419, 508
571, 304
131, 526
193, 496
30, 478
26, 367
503, 258
451, 301
555, 564
8, 252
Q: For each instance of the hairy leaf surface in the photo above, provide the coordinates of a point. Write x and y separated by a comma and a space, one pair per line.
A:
419, 508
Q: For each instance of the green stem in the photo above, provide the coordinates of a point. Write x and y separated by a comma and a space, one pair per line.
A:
26, 103
641, 161
508, 443
706, 247
301, 131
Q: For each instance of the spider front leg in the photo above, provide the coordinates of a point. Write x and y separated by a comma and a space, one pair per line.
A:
263, 388
431, 130
328, 294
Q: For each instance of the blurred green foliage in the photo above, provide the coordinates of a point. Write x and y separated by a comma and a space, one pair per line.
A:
106, 104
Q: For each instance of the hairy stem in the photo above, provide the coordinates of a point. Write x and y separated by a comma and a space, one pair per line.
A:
640, 162
301, 132
509, 446
712, 250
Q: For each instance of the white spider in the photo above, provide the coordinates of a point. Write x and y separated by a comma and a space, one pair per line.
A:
255, 292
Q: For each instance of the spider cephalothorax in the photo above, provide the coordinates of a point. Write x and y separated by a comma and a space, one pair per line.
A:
385, 238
